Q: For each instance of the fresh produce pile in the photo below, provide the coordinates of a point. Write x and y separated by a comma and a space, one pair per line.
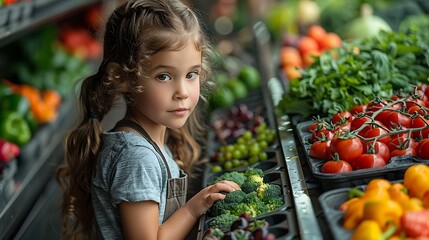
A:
247, 149
244, 227
256, 197
371, 134
233, 86
298, 53
384, 209
359, 71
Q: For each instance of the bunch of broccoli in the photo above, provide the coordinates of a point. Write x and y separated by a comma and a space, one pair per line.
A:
254, 198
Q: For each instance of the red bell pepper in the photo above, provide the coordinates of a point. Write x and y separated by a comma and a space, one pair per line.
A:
8, 151
416, 223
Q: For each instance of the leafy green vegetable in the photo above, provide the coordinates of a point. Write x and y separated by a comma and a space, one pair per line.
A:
391, 61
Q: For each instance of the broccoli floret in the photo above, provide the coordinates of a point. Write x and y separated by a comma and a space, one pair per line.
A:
251, 209
228, 203
261, 190
268, 191
252, 183
236, 196
232, 176
254, 171
223, 222
274, 204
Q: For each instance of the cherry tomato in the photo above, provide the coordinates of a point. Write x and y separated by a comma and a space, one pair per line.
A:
402, 143
375, 132
321, 134
358, 121
342, 117
414, 109
358, 109
316, 126
368, 160
348, 149
336, 166
382, 116
403, 152
420, 122
321, 150
418, 99
422, 149
397, 119
379, 148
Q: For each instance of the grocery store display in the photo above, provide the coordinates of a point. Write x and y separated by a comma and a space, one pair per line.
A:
345, 150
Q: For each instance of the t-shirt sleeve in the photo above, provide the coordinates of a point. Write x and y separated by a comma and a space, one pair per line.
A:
137, 177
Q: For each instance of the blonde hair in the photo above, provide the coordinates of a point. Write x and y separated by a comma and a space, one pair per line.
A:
134, 32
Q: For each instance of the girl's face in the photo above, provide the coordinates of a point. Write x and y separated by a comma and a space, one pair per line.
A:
172, 90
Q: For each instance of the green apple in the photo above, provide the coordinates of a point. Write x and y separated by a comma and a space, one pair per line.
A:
249, 75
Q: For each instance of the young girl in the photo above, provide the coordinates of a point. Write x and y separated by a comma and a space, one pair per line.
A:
124, 183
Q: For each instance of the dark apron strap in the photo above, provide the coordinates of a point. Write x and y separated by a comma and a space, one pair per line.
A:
137, 127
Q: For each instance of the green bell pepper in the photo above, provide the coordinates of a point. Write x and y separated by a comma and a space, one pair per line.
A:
14, 128
15, 102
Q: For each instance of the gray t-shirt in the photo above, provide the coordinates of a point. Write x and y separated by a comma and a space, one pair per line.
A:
128, 169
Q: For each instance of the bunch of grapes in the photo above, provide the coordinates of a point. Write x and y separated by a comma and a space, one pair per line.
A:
247, 150
238, 120
242, 229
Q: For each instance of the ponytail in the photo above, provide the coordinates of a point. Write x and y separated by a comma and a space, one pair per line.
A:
82, 145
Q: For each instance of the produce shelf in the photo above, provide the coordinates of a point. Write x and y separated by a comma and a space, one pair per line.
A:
18, 19
31, 175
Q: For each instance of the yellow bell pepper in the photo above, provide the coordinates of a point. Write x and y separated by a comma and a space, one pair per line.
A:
367, 230
416, 180
386, 213
413, 204
370, 230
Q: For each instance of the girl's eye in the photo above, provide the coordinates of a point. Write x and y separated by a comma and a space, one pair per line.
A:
163, 77
192, 75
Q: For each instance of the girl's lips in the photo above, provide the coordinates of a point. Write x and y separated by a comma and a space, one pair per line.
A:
179, 111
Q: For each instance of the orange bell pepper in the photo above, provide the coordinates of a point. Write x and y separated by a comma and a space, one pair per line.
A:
416, 180
375, 191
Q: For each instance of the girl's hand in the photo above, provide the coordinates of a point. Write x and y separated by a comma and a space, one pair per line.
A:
202, 201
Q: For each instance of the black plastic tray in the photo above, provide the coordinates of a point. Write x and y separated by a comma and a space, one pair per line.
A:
281, 224
394, 170
330, 202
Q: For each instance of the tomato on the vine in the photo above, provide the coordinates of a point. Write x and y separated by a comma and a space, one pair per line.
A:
336, 166
323, 133
348, 148
356, 109
369, 160
342, 117
417, 109
403, 152
422, 149
402, 143
397, 119
422, 123
358, 121
317, 125
375, 133
377, 147
419, 100
321, 149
